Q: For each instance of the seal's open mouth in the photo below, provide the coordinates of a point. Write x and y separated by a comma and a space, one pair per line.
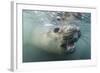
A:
68, 43
68, 46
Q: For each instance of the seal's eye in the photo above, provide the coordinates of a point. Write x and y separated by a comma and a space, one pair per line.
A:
58, 18
56, 30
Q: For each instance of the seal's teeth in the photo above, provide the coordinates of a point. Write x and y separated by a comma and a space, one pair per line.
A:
77, 28
70, 47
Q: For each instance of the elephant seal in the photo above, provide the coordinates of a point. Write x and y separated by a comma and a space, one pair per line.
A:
59, 39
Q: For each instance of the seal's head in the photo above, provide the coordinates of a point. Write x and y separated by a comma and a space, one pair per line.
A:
69, 35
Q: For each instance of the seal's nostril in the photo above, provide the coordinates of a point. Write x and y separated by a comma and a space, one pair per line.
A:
56, 30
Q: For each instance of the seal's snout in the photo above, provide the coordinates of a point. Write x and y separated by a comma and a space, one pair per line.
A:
70, 37
76, 35
56, 29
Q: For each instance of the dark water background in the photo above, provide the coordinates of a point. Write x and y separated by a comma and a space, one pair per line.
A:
31, 19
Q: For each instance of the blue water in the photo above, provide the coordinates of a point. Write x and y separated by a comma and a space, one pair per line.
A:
32, 19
